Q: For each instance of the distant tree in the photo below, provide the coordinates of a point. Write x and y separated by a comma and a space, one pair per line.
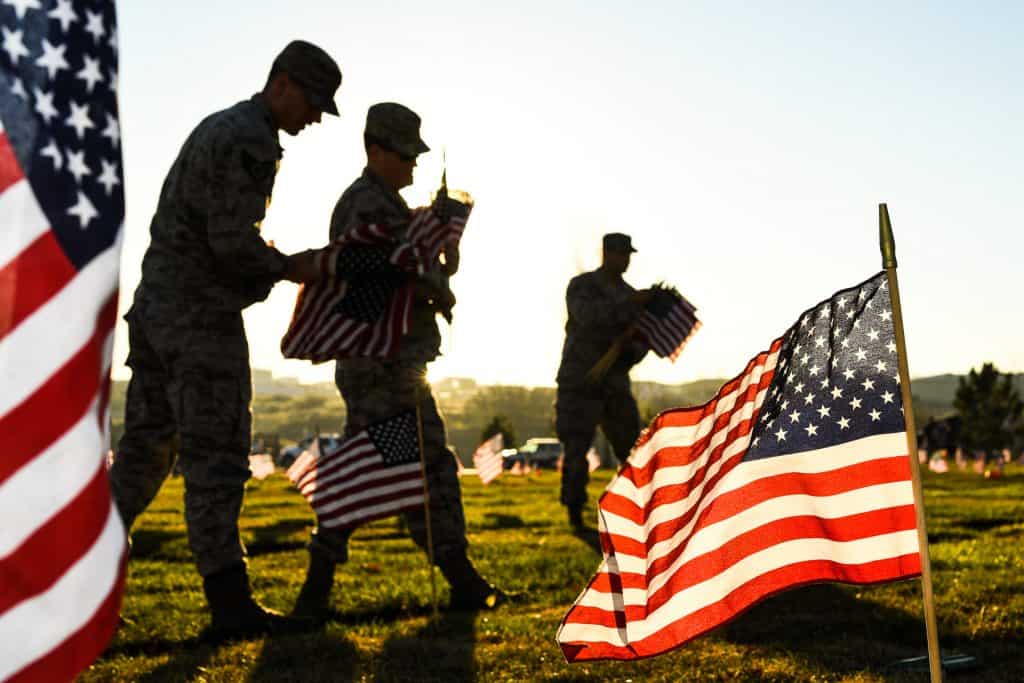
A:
501, 424
990, 407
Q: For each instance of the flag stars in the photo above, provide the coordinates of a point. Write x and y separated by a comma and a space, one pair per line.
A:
44, 105
824, 411
861, 354
819, 342
112, 131
823, 383
77, 166
845, 343
855, 403
52, 59
873, 335
83, 210
881, 366
805, 359
19, 89
851, 313
842, 303
79, 119
22, 6
861, 295
112, 40
875, 415
794, 416
887, 397
13, 44
108, 177
780, 435
891, 347
799, 388
52, 152
885, 315
849, 374
94, 25
844, 423
814, 370
837, 393
809, 398
868, 384
90, 73
812, 430
63, 14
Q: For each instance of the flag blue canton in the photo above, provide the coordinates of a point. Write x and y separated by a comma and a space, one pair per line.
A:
396, 439
59, 81
837, 377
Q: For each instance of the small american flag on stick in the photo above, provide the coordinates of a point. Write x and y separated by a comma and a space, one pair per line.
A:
374, 474
667, 322
487, 458
363, 303
796, 472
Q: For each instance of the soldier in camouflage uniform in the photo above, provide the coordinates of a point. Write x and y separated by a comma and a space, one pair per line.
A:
191, 388
602, 308
375, 389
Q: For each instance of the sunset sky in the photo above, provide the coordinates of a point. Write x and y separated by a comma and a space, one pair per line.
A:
745, 150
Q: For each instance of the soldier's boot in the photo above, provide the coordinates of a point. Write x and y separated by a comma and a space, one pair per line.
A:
576, 517
469, 590
314, 598
234, 612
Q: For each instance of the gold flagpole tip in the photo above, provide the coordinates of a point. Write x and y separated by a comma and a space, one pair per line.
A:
885, 238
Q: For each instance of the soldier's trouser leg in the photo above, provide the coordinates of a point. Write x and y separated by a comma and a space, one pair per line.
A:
146, 451
375, 390
620, 422
576, 418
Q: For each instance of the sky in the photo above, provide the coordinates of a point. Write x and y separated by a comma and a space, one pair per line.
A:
744, 146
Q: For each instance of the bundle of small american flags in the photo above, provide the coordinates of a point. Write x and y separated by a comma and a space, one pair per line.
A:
371, 475
363, 303
797, 471
667, 322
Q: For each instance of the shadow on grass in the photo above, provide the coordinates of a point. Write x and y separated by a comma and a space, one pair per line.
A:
591, 537
828, 625
442, 650
313, 656
267, 539
497, 520
148, 543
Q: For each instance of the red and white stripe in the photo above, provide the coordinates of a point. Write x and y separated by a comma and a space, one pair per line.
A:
352, 485
487, 459
694, 535
669, 335
62, 543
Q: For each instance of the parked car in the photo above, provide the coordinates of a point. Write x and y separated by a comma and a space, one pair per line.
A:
511, 456
542, 452
288, 454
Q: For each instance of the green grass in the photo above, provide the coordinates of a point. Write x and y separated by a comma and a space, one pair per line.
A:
520, 541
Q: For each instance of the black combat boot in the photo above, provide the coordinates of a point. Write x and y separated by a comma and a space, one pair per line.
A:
314, 598
233, 610
469, 590
576, 517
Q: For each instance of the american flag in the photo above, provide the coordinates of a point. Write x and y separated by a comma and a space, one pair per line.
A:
796, 472
374, 474
62, 543
344, 316
487, 459
593, 460
668, 322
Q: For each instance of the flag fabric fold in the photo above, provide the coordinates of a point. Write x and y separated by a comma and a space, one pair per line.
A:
62, 543
796, 472
363, 304
487, 458
371, 475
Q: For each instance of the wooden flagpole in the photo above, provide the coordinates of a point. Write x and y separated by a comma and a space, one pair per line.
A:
888, 246
426, 503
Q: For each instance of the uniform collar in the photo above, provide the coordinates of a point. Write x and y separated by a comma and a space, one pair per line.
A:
375, 179
262, 109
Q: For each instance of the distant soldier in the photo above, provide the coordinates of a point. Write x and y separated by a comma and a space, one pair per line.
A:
602, 310
191, 387
375, 389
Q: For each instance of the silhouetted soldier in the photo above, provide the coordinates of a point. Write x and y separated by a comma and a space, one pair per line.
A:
191, 388
602, 308
375, 389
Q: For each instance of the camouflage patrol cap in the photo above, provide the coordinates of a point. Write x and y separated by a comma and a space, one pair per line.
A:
396, 127
313, 69
618, 242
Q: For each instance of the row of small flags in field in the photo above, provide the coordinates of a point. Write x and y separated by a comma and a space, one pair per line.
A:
489, 461
990, 468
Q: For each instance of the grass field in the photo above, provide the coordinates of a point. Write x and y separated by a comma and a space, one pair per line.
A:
383, 630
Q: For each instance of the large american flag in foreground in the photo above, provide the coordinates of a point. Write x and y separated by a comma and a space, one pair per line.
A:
61, 211
374, 474
795, 472
487, 459
667, 323
343, 318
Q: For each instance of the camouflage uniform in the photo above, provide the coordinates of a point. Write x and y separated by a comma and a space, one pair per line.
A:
375, 389
600, 308
190, 389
